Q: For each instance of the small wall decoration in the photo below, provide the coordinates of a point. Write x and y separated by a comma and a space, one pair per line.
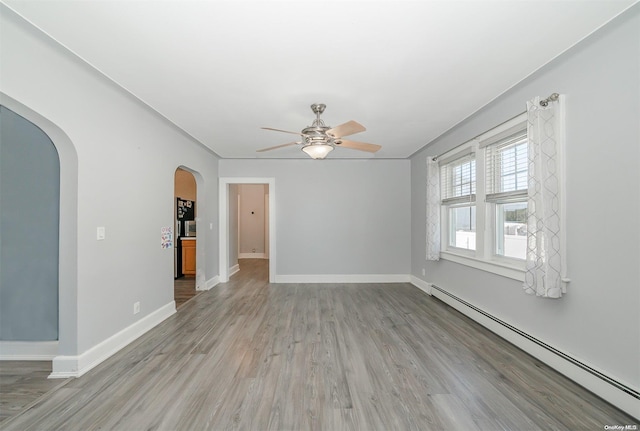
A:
166, 237
185, 209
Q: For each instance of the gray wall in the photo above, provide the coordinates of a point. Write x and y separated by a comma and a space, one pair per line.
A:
597, 321
29, 199
337, 216
127, 156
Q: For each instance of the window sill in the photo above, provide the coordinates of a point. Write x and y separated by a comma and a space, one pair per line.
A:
499, 268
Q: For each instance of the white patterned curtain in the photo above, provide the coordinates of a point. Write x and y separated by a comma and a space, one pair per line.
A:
433, 209
544, 261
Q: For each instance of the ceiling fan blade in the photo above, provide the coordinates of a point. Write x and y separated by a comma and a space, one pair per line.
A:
277, 146
346, 129
280, 130
361, 146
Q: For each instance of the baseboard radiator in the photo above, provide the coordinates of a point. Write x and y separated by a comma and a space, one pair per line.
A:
609, 380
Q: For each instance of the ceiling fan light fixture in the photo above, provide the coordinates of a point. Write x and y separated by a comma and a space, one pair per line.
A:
318, 139
317, 151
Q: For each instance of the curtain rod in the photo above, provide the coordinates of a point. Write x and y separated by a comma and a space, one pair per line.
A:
553, 97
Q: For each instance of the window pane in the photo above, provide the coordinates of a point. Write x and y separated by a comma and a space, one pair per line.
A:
511, 230
459, 179
522, 180
513, 167
508, 183
506, 165
462, 227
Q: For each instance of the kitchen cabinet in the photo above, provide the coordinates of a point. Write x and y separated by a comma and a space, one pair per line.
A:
188, 256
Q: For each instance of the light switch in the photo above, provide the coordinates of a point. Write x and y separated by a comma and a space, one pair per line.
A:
100, 233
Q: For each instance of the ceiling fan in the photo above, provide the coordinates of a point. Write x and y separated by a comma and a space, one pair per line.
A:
318, 140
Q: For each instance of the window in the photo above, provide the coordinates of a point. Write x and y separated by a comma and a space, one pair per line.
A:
484, 200
458, 180
511, 230
506, 194
462, 222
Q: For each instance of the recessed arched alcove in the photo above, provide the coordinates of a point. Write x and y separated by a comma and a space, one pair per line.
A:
30, 202
50, 260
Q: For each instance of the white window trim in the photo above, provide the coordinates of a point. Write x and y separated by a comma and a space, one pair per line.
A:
502, 131
494, 266
483, 258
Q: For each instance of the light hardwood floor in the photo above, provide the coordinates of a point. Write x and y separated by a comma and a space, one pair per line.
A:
22, 383
258, 356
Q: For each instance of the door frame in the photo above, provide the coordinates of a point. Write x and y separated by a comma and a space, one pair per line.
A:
223, 224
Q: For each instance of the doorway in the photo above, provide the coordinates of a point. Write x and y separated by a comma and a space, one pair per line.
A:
227, 213
185, 228
253, 226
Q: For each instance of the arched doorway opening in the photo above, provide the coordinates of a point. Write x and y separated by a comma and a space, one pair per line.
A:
185, 228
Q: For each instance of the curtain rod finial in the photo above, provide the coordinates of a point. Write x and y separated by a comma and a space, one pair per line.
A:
552, 98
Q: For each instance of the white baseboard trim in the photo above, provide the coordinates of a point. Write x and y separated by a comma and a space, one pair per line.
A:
421, 284
235, 268
211, 283
344, 278
28, 350
76, 366
620, 394
252, 256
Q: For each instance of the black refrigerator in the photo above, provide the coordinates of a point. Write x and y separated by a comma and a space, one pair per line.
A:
185, 211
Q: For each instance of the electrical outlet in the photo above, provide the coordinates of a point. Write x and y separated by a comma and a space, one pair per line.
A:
423, 272
100, 233
136, 307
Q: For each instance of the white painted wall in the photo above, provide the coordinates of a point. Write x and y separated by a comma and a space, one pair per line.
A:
252, 218
126, 159
597, 321
337, 216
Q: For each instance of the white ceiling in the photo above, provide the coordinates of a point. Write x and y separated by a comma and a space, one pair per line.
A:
407, 70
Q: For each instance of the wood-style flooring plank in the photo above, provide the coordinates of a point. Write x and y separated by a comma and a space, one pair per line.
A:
250, 355
22, 383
